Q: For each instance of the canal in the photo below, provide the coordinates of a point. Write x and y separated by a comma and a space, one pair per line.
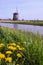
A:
30, 28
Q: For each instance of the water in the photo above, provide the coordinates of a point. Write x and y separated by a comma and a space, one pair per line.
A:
30, 28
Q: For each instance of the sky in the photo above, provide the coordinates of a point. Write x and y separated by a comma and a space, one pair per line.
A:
27, 9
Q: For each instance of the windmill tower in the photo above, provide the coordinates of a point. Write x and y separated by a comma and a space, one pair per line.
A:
15, 15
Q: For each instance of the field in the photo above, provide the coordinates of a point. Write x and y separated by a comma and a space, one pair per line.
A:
28, 22
20, 48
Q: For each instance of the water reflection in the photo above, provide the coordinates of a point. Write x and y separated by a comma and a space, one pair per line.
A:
16, 26
30, 28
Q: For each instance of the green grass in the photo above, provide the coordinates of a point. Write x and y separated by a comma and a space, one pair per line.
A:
33, 54
28, 22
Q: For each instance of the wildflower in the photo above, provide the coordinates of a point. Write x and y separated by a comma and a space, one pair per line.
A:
12, 48
1, 45
24, 42
21, 49
8, 59
8, 52
19, 55
13, 44
18, 46
2, 56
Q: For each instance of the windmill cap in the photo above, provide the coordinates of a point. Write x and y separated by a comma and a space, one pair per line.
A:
15, 13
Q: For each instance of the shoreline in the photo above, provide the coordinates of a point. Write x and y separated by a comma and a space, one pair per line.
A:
25, 22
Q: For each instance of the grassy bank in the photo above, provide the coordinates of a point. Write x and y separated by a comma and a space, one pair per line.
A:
20, 47
28, 22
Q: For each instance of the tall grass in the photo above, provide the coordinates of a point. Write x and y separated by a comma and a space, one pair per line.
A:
33, 45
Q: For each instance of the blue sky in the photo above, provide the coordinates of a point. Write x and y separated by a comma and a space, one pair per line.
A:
27, 9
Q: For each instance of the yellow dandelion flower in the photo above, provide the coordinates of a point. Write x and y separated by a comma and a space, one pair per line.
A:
8, 59
2, 56
1, 45
12, 48
8, 52
19, 55
21, 49
13, 44
18, 46
24, 42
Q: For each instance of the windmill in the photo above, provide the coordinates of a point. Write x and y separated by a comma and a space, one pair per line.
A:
15, 15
